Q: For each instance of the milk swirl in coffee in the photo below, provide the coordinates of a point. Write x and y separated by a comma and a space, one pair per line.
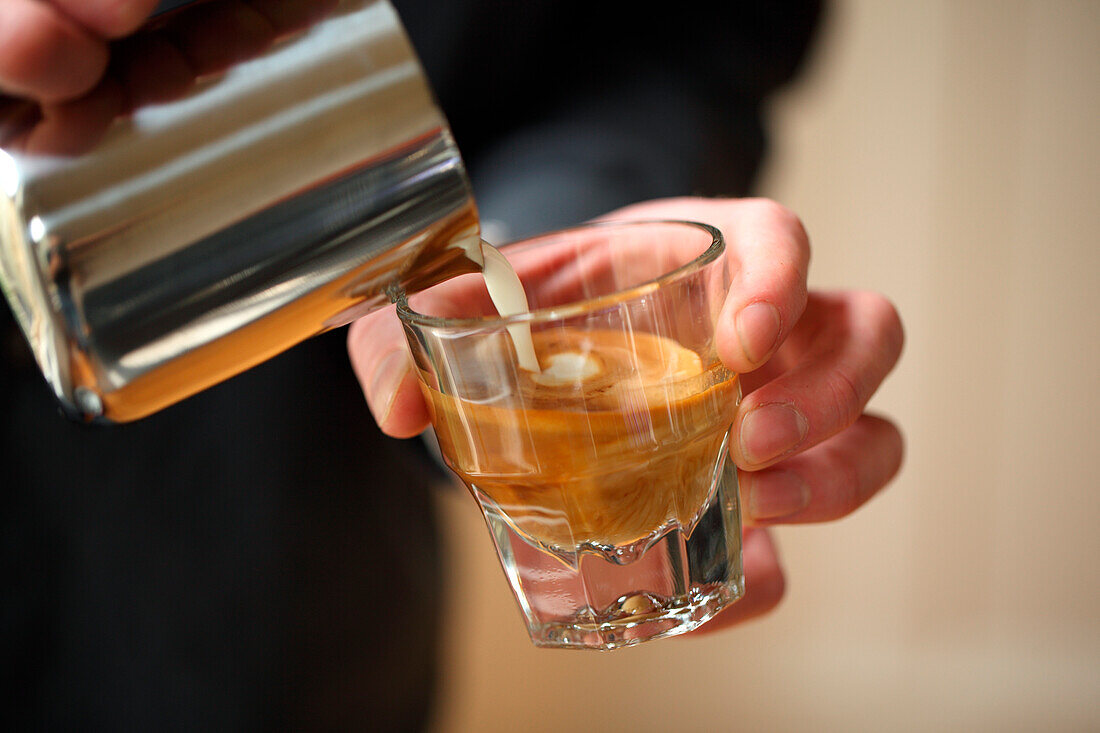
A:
607, 439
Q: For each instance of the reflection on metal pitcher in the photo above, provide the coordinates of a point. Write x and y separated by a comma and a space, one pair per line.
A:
229, 214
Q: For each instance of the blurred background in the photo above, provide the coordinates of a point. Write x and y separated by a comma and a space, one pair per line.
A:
944, 153
221, 565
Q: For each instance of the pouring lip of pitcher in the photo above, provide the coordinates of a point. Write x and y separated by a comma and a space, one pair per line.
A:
400, 298
202, 235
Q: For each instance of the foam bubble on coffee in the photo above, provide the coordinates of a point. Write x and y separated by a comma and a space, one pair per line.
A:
568, 367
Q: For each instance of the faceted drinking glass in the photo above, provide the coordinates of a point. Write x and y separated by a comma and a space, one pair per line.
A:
604, 477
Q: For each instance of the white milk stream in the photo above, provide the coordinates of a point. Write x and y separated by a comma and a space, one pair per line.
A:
506, 292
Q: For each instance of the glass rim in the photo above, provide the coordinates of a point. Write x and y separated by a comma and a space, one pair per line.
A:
717, 246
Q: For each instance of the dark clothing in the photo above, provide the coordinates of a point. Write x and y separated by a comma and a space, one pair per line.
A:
565, 110
259, 556
227, 564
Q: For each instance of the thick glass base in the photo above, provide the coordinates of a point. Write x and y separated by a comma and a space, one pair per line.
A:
655, 619
597, 599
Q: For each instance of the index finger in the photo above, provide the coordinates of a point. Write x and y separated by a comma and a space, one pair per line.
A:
383, 365
768, 253
107, 18
45, 55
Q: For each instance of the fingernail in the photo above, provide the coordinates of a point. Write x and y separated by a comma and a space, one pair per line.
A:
758, 330
383, 386
769, 431
776, 494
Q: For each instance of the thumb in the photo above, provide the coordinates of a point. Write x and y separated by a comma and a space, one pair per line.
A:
381, 360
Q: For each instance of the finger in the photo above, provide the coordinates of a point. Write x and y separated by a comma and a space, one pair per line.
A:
584, 266
151, 68
107, 18
768, 254
460, 297
770, 257
45, 55
71, 128
287, 16
17, 117
828, 481
764, 583
853, 341
380, 358
214, 36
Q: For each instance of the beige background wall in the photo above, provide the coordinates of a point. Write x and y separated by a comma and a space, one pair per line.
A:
945, 153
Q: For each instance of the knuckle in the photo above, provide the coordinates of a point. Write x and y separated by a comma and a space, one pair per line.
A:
119, 18
886, 322
772, 590
879, 322
788, 220
365, 335
846, 397
356, 335
846, 483
893, 453
853, 492
772, 209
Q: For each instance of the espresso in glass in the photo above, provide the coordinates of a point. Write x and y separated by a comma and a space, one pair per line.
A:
603, 475
620, 436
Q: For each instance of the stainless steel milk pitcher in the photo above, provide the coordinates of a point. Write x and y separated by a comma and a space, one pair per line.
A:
202, 235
